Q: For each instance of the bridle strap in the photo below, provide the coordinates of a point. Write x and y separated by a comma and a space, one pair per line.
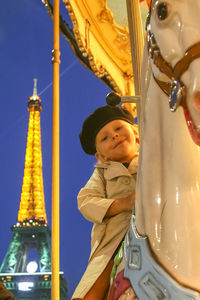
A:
165, 86
182, 65
161, 64
172, 73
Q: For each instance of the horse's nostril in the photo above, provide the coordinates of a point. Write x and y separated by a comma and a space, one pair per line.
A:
197, 100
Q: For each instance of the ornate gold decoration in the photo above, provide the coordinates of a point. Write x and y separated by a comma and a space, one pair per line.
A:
105, 42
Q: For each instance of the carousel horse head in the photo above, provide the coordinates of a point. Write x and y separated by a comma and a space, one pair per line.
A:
174, 45
167, 206
168, 184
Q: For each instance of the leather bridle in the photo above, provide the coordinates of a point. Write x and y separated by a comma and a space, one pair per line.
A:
175, 88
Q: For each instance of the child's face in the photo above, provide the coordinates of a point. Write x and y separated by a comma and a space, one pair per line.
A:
116, 141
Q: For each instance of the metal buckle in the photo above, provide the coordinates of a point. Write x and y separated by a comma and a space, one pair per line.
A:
177, 92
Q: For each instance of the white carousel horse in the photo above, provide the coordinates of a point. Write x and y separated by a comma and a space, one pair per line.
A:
168, 186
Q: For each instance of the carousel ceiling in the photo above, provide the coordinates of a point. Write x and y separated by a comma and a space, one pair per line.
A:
101, 32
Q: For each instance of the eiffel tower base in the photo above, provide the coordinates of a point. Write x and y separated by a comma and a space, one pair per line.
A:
13, 271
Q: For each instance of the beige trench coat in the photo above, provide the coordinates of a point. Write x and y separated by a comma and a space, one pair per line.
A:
110, 180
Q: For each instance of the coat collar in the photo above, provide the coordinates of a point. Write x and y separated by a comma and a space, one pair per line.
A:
114, 169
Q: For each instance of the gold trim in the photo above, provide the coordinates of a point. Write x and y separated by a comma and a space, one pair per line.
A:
121, 42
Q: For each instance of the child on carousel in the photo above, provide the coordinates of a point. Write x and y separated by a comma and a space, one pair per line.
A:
107, 198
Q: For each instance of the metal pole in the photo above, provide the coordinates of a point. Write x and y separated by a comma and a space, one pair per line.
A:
137, 43
55, 239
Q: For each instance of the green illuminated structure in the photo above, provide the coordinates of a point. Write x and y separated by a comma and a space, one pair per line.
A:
26, 268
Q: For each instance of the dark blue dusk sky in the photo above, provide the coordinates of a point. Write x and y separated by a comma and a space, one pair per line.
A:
26, 42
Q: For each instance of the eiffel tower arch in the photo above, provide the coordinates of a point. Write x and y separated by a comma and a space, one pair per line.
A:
26, 267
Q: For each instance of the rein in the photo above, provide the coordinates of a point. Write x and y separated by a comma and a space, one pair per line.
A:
175, 89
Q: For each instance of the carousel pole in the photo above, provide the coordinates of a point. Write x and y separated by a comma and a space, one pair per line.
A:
137, 43
55, 241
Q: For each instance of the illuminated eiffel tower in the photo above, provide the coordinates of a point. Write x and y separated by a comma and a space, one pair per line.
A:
26, 268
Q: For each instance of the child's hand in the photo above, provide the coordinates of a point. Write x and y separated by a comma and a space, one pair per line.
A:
120, 205
129, 201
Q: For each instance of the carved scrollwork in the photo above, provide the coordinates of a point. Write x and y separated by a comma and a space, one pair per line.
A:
118, 42
105, 16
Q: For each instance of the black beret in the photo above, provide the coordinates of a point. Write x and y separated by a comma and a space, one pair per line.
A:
99, 118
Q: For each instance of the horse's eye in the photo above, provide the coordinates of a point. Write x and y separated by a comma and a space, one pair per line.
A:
162, 11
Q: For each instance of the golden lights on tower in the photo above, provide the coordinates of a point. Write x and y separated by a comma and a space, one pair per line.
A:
32, 204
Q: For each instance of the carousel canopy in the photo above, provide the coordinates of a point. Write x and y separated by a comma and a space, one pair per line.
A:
101, 32
100, 39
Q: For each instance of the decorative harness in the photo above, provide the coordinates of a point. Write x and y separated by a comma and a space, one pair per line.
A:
175, 89
148, 279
